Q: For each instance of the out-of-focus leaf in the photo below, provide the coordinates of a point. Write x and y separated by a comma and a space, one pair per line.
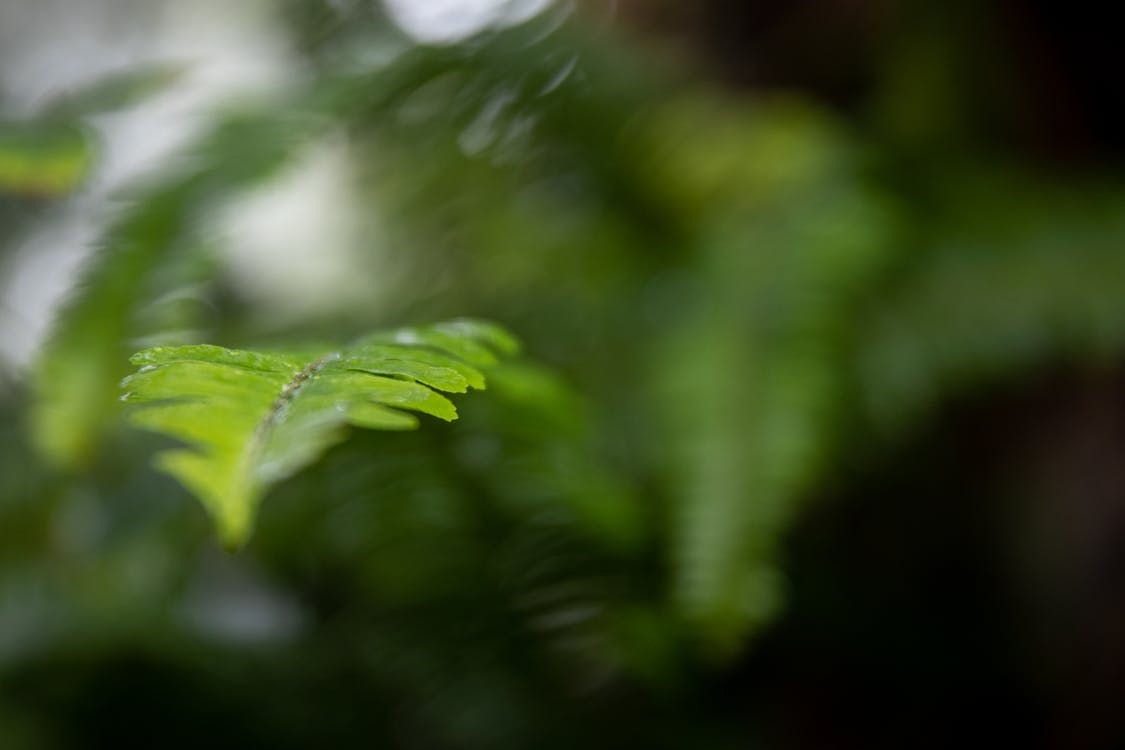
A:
115, 91
255, 418
751, 375
42, 159
1018, 274
554, 458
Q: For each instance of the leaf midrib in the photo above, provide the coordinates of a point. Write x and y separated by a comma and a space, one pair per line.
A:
289, 392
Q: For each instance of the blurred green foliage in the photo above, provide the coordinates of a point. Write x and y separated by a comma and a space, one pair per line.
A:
741, 307
41, 161
49, 155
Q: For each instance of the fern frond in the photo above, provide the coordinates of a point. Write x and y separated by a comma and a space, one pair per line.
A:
251, 419
750, 384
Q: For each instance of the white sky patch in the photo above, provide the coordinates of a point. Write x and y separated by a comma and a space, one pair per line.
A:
451, 21
292, 245
34, 280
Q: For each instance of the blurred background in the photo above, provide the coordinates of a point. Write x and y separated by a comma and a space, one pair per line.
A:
819, 440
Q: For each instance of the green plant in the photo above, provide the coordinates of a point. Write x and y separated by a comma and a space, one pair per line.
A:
730, 286
254, 418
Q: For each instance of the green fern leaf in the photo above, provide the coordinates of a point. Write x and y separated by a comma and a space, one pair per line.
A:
251, 419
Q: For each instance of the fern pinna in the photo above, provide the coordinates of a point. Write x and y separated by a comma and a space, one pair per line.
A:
251, 419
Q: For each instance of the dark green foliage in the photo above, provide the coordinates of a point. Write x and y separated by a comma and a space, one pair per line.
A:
755, 283
744, 309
